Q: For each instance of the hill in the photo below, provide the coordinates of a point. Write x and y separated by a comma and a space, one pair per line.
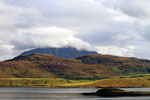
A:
85, 71
91, 67
66, 52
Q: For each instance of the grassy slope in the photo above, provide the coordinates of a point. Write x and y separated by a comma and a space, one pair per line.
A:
56, 82
40, 82
117, 82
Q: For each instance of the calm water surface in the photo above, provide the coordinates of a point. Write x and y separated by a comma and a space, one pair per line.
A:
60, 94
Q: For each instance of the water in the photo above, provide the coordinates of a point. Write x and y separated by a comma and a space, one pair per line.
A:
60, 94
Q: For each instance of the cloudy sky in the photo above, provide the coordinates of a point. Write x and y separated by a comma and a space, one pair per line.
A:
116, 27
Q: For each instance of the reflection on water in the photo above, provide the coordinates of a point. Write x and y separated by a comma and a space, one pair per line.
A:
59, 94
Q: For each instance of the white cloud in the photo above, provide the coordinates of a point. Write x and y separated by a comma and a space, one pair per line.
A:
39, 37
119, 51
46, 37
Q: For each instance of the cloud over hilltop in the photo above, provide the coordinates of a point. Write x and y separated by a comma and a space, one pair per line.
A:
119, 27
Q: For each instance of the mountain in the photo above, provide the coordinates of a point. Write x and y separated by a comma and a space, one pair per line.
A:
89, 67
66, 52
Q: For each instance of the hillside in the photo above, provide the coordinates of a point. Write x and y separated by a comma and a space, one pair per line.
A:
89, 67
44, 70
66, 52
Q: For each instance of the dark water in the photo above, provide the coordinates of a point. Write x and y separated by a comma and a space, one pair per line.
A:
60, 94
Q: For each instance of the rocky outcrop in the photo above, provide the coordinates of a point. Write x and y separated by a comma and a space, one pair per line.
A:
114, 92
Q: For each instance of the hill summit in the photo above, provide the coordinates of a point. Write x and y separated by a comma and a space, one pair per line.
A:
66, 52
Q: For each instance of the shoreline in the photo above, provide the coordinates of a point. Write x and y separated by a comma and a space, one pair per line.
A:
65, 87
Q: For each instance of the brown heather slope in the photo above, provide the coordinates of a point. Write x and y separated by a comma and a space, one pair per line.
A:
89, 67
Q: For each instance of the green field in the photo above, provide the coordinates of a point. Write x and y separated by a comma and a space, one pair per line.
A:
38, 82
142, 81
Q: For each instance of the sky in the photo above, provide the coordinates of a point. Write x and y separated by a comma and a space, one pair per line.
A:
116, 27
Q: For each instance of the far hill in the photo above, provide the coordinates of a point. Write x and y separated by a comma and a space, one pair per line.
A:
90, 67
66, 52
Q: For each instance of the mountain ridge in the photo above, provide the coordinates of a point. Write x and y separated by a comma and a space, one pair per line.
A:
65, 52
